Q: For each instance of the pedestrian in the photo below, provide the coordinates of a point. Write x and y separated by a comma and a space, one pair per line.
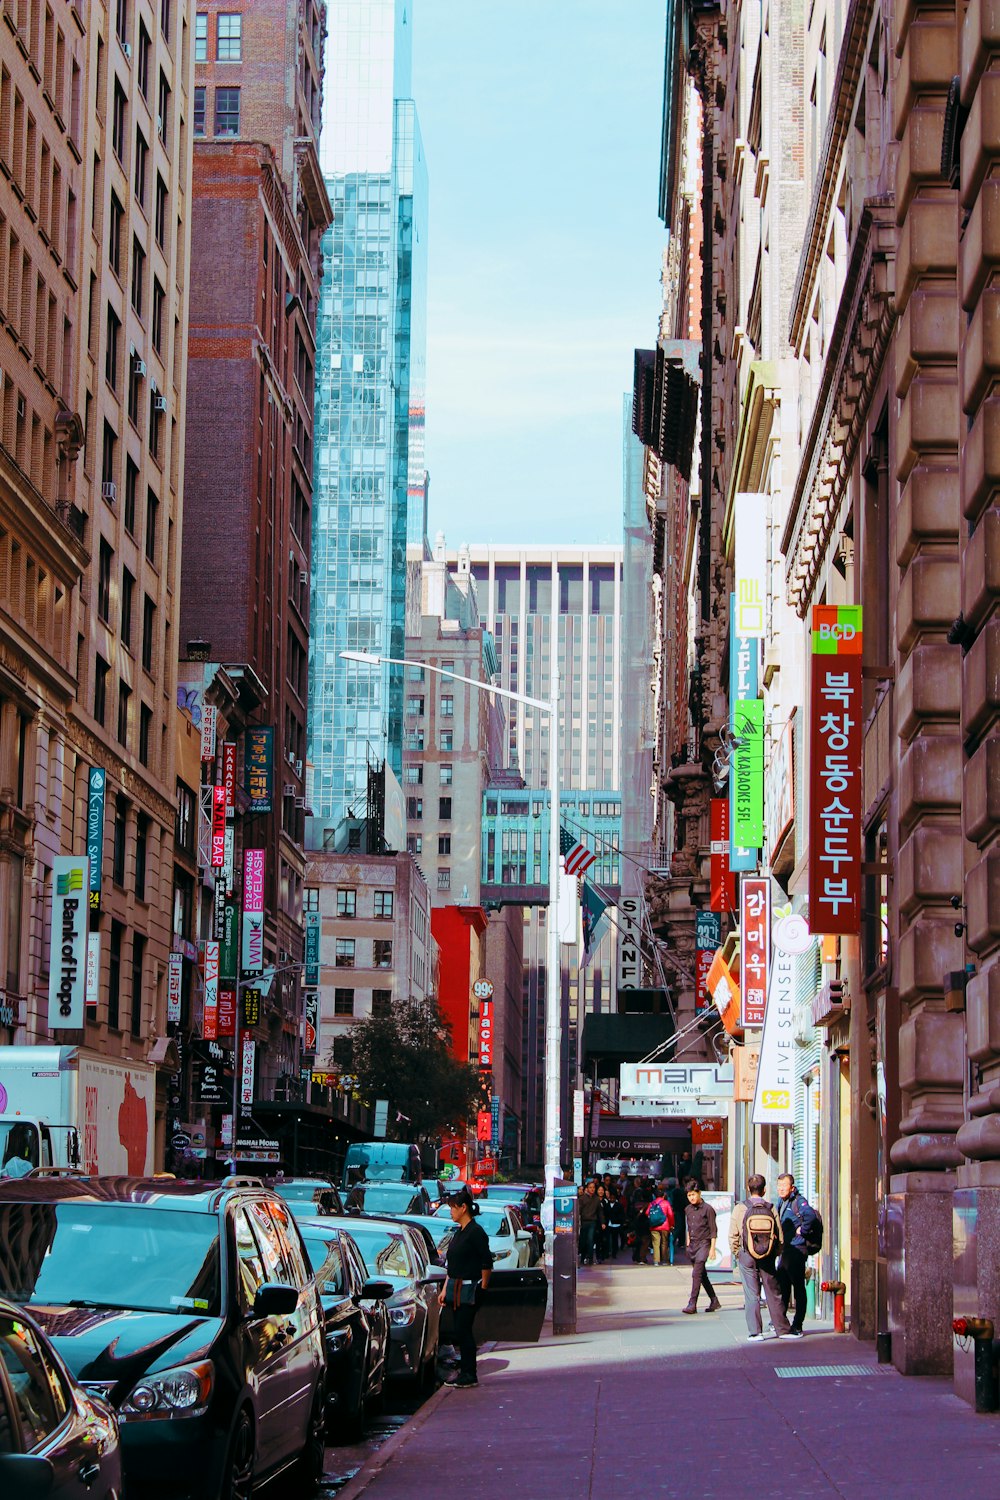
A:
755, 1240
639, 1225
702, 1230
678, 1202
684, 1168
469, 1263
661, 1227
798, 1222
601, 1238
590, 1213
616, 1223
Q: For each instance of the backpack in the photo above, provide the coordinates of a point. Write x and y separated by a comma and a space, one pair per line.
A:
657, 1216
812, 1238
760, 1234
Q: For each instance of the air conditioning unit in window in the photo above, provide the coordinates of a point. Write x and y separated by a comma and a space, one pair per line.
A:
109, 490
289, 789
127, 49
159, 403
303, 578
138, 366
300, 802
298, 768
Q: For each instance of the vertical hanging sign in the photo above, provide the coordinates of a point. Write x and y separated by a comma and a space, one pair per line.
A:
175, 973
707, 938
755, 941
210, 1023
96, 782
750, 565
259, 763
311, 965
835, 771
746, 776
246, 1074
218, 827
229, 775
253, 910
723, 881
208, 725
68, 953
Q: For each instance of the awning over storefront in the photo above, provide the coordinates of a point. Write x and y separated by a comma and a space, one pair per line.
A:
610, 1040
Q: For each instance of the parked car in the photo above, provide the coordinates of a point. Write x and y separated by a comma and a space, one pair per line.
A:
192, 1309
510, 1242
395, 1252
387, 1198
435, 1229
55, 1438
307, 1196
525, 1199
357, 1329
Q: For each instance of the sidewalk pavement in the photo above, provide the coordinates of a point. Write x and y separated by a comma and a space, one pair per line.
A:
644, 1400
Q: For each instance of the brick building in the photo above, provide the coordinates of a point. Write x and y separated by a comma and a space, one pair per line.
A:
259, 210
94, 229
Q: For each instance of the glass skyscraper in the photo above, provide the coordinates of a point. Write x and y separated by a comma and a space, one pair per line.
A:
370, 361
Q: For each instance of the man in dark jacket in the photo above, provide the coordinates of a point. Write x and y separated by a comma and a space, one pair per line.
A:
797, 1219
701, 1235
590, 1213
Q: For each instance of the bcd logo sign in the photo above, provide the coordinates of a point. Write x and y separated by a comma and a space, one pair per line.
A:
837, 631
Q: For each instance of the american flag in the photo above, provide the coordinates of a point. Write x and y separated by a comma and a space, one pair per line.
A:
577, 857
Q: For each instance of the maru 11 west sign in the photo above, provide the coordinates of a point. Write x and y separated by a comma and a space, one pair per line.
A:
68, 952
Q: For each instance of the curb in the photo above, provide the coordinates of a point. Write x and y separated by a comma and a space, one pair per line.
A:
377, 1461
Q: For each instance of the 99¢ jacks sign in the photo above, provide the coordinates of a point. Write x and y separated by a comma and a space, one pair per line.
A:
835, 771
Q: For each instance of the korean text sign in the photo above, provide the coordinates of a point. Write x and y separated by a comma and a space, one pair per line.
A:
835, 771
755, 941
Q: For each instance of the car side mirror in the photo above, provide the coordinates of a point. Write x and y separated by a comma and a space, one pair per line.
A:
522, 1235
436, 1273
274, 1300
26, 1474
376, 1291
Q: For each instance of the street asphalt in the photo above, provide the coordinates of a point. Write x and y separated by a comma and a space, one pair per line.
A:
644, 1400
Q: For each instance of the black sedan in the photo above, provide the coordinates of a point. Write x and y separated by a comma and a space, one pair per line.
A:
357, 1329
191, 1308
55, 1439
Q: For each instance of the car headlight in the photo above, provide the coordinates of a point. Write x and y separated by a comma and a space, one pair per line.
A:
403, 1314
184, 1391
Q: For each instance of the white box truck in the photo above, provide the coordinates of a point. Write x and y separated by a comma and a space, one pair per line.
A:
67, 1107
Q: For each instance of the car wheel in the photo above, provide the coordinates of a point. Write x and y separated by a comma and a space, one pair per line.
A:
237, 1478
307, 1470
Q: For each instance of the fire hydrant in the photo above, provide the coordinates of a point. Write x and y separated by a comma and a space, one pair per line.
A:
838, 1291
980, 1331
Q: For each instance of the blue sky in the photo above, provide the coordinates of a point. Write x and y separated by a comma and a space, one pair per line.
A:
541, 123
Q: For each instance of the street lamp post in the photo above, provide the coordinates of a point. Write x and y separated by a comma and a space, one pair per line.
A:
553, 987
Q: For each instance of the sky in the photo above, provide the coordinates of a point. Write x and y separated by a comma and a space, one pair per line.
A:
541, 126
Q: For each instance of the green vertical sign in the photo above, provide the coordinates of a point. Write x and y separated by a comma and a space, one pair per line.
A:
229, 946
748, 774
312, 949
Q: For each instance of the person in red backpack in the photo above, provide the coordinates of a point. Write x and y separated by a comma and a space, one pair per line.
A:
661, 1225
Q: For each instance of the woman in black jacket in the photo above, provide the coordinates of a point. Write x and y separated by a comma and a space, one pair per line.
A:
469, 1263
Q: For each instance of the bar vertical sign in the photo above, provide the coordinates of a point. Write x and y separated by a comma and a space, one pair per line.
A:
253, 911
218, 827
755, 943
96, 783
835, 771
68, 952
175, 973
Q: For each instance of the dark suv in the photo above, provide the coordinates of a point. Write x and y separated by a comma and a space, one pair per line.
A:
191, 1308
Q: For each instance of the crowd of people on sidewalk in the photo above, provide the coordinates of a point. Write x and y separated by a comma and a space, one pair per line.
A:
662, 1222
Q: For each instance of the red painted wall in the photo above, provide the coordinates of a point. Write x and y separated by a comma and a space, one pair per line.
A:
453, 928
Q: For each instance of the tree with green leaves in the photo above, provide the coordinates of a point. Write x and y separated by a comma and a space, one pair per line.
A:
407, 1059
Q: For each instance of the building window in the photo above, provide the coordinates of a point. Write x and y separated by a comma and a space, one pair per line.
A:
155, 421
347, 903
163, 108
111, 353
382, 953
109, 463
138, 956
115, 975
143, 69
383, 905
414, 707
413, 775
128, 604
160, 220
227, 111
118, 855
414, 843
444, 843
414, 807
414, 674
101, 670
148, 633
343, 1002
118, 122
141, 853
134, 394
157, 328
444, 880
184, 818
141, 164
199, 109
145, 732
201, 37
345, 953
131, 484
310, 898
444, 807
229, 38
381, 1003
446, 774
343, 1052
445, 738
447, 706
104, 562
152, 512
115, 218
124, 712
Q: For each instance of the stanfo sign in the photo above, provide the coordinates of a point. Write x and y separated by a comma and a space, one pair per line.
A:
835, 771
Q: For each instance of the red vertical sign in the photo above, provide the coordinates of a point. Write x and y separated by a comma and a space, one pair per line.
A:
755, 941
229, 773
485, 1035
218, 827
723, 888
835, 771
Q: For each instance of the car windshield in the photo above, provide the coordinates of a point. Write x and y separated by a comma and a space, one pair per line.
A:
326, 1257
378, 1197
384, 1253
110, 1255
494, 1224
314, 1197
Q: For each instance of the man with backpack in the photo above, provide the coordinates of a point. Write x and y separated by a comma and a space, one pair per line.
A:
801, 1236
755, 1240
